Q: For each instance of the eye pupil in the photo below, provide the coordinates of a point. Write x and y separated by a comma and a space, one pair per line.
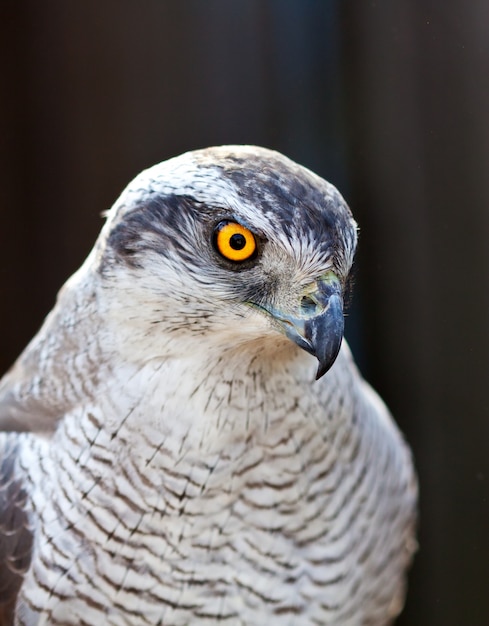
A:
237, 241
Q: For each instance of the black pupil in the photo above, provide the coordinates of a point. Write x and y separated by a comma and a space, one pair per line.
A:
237, 242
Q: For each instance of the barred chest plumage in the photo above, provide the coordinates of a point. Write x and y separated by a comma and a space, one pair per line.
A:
270, 511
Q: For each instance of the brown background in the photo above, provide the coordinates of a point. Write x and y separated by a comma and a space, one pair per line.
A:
389, 100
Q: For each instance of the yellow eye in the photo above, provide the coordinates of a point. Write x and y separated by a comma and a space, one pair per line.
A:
234, 242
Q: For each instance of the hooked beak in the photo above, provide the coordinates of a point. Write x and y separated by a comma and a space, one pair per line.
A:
318, 326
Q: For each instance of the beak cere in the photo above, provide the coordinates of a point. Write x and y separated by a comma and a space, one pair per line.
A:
318, 327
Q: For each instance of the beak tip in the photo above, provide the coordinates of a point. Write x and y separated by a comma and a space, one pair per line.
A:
321, 371
327, 363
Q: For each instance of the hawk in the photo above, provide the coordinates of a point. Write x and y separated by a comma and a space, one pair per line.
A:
187, 439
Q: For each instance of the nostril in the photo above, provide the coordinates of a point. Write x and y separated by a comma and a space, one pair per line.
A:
308, 305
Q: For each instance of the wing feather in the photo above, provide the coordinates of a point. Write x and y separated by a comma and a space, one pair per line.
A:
15, 531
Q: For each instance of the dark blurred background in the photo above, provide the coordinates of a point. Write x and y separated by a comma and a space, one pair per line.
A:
387, 99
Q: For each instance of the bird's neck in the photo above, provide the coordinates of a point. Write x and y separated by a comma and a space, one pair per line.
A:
234, 416
201, 402
197, 399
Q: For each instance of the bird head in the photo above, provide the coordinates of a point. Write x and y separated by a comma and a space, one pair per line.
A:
233, 244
